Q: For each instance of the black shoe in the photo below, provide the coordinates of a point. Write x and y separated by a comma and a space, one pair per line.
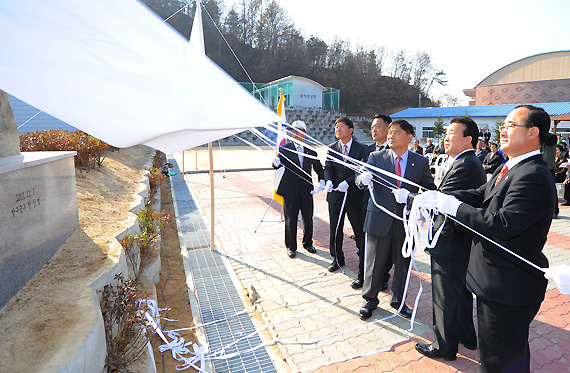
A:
405, 312
311, 249
384, 285
469, 346
429, 351
291, 253
334, 267
567, 203
366, 310
357, 284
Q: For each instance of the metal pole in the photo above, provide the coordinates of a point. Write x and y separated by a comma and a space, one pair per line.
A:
211, 154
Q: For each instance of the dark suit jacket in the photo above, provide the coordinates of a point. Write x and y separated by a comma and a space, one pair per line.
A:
419, 150
493, 160
293, 179
338, 173
465, 173
481, 154
365, 154
517, 214
377, 221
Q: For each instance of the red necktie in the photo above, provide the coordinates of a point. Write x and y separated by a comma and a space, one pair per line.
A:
398, 169
501, 174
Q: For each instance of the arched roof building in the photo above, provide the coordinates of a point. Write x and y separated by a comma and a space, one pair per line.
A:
543, 77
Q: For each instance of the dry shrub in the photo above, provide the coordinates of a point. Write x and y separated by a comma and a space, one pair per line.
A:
90, 151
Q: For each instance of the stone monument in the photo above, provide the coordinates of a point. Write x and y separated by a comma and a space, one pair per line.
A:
38, 202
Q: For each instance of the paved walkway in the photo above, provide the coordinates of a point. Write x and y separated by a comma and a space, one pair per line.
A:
300, 302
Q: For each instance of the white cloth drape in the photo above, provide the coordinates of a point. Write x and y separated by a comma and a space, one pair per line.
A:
113, 69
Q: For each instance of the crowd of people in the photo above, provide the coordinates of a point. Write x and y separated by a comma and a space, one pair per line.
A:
505, 190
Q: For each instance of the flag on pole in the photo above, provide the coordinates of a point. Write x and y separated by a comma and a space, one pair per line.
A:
281, 140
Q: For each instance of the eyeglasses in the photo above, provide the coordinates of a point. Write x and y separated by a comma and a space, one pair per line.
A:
505, 127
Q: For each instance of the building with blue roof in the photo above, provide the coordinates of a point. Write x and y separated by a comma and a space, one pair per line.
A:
486, 116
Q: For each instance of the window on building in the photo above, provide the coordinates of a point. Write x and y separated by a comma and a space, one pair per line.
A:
427, 132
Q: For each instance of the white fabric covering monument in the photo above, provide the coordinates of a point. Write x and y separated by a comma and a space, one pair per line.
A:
117, 72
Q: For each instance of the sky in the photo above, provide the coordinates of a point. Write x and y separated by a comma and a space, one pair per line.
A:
468, 40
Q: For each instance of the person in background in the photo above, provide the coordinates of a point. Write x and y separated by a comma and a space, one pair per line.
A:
430, 147
481, 150
441, 149
487, 136
417, 148
548, 150
493, 159
559, 172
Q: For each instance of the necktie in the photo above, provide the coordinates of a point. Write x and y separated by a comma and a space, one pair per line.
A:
501, 174
344, 152
379, 147
300, 155
398, 169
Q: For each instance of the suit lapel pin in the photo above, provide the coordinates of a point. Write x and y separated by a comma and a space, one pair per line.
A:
412, 165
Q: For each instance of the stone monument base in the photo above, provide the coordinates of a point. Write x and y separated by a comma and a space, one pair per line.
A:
39, 212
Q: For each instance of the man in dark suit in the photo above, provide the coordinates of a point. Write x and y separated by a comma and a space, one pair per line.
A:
514, 209
384, 234
341, 179
430, 147
481, 151
493, 159
379, 129
295, 187
452, 302
417, 148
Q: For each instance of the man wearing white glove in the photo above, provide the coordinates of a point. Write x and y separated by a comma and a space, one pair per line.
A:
515, 209
296, 186
452, 301
385, 235
341, 178
379, 131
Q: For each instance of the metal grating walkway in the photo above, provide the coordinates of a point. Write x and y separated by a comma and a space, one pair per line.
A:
216, 294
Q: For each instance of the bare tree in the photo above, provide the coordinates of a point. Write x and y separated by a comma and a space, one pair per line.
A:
401, 66
271, 27
337, 52
316, 51
380, 59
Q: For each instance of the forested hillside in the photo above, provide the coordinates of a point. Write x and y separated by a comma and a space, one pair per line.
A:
269, 46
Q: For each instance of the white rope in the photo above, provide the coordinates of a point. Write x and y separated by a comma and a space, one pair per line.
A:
35, 115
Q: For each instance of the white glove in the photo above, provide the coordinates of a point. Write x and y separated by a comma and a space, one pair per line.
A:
319, 188
276, 162
366, 177
342, 187
401, 195
447, 204
560, 275
329, 186
426, 200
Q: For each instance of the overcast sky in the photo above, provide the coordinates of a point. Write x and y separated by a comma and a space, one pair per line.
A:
469, 40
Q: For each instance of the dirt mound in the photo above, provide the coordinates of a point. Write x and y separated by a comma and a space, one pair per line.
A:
55, 308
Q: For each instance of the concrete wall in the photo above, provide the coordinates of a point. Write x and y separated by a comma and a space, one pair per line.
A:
39, 212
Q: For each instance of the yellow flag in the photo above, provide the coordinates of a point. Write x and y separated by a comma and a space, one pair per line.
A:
281, 140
